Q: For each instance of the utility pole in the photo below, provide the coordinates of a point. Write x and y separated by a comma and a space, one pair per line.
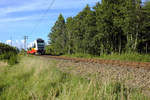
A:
25, 40
11, 40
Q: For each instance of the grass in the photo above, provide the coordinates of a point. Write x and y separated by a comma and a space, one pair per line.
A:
123, 57
38, 79
128, 57
80, 55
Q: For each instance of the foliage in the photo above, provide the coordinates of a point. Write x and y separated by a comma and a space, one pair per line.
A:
39, 79
6, 48
8, 53
109, 27
58, 36
49, 49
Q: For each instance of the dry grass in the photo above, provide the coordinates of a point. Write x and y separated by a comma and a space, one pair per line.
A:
2, 64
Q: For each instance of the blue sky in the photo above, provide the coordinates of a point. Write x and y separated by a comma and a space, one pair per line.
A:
19, 17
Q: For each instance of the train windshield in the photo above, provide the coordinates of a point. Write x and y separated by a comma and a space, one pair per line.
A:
40, 44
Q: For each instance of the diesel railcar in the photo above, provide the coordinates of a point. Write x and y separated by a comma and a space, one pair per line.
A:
37, 47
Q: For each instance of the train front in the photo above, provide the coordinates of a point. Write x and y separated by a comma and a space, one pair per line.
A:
40, 46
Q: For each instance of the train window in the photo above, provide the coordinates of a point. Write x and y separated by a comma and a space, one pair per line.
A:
40, 43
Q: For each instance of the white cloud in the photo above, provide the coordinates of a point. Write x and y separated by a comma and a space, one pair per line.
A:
8, 42
16, 43
49, 16
19, 44
30, 45
26, 7
20, 16
22, 41
36, 5
13, 19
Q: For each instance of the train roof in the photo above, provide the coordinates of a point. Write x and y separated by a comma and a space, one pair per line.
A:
40, 40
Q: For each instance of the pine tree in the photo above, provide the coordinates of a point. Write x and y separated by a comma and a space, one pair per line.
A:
70, 35
110, 27
58, 36
145, 34
84, 30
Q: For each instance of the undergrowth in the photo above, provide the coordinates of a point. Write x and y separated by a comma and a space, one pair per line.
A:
124, 56
128, 57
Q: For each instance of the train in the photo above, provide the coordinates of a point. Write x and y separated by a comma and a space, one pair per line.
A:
37, 47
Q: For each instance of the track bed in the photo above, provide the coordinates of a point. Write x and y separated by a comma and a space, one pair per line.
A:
145, 65
133, 74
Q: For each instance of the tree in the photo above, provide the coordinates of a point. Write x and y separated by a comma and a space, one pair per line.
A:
69, 34
110, 27
57, 35
84, 31
144, 43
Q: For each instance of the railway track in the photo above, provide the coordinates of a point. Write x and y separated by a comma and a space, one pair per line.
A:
145, 65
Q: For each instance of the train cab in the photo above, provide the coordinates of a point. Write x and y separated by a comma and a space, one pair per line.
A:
37, 47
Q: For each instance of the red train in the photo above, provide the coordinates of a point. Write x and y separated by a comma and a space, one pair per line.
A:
37, 47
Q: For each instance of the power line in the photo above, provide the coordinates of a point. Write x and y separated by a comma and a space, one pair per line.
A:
49, 7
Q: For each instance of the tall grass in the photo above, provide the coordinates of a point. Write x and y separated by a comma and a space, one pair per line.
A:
128, 57
38, 79
124, 56
80, 55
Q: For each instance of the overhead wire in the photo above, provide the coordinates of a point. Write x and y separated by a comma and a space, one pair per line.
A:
43, 15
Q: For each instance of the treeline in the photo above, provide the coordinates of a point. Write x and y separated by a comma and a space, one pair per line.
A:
112, 26
8, 53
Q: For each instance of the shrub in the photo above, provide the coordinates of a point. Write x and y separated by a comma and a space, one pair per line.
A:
13, 59
8, 53
49, 49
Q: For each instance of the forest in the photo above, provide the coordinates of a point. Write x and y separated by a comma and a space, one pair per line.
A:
111, 26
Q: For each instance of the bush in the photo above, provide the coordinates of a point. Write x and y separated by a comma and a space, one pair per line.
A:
13, 59
8, 53
49, 49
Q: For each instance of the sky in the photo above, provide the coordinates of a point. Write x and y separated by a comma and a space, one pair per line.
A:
34, 18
